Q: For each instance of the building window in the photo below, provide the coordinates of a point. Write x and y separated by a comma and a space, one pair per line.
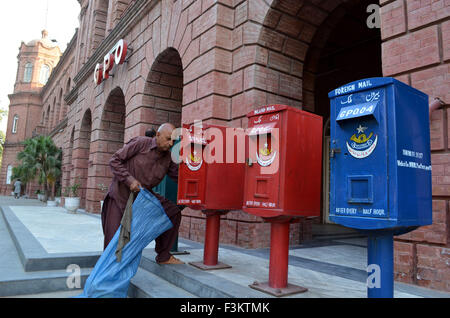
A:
28, 72
15, 123
8, 175
45, 73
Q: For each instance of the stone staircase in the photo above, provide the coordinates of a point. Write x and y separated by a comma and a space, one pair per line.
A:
25, 270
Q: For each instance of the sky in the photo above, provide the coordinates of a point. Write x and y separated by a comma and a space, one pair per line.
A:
23, 20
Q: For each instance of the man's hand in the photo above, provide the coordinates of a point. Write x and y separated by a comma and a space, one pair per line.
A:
135, 186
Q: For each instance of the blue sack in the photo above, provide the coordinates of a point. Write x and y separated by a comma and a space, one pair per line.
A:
109, 278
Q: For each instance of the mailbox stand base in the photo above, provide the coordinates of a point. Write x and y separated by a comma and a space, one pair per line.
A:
278, 292
205, 267
278, 267
211, 249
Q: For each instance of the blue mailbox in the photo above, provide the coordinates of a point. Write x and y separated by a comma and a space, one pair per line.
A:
380, 161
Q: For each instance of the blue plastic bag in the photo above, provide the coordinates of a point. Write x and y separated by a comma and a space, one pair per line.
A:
109, 278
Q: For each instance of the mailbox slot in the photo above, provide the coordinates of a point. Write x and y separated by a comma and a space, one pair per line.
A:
192, 188
262, 187
360, 189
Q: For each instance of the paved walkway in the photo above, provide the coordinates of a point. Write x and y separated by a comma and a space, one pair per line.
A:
329, 268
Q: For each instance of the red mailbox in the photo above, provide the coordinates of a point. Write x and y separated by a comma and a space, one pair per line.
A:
211, 180
282, 180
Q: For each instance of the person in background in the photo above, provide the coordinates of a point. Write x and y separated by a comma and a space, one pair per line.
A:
150, 133
17, 188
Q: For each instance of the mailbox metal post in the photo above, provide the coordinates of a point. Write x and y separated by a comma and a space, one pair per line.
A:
279, 255
279, 260
380, 252
211, 246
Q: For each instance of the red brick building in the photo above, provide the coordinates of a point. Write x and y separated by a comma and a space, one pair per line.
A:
216, 60
36, 60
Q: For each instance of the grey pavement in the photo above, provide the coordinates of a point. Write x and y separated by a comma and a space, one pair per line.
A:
39, 245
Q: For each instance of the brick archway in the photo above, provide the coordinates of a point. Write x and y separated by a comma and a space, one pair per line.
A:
278, 42
163, 92
53, 110
334, 60
106, 140
47, 117
81, 156
58, 111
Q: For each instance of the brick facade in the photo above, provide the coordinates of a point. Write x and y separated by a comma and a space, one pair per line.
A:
416, 51
26, 101
216, 60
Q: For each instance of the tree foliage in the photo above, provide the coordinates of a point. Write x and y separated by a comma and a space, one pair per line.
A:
40, 159
2, 141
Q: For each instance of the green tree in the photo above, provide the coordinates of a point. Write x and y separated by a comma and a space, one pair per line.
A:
2, 141
3, 114
40, 159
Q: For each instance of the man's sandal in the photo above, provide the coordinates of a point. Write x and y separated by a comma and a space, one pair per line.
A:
171, 260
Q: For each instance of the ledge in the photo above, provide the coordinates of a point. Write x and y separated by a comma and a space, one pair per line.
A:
33, 256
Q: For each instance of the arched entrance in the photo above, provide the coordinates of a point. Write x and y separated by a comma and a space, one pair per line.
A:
58, 112
82, 162
107, 139
309, 48
344, 49
163, 92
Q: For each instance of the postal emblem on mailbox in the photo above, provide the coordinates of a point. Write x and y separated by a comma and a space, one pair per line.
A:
265, 156
194, 162
361, 145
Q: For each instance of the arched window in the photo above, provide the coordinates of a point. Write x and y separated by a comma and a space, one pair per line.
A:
45, 73
9, 174
15, 123
28, 72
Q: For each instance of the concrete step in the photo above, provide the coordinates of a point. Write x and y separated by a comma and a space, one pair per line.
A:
54, 285
61, 294
200, 283
148, 285
39, 282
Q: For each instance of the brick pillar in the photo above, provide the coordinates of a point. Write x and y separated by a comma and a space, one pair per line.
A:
416, 50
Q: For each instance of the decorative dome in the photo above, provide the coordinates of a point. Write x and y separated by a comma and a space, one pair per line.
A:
45, 41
